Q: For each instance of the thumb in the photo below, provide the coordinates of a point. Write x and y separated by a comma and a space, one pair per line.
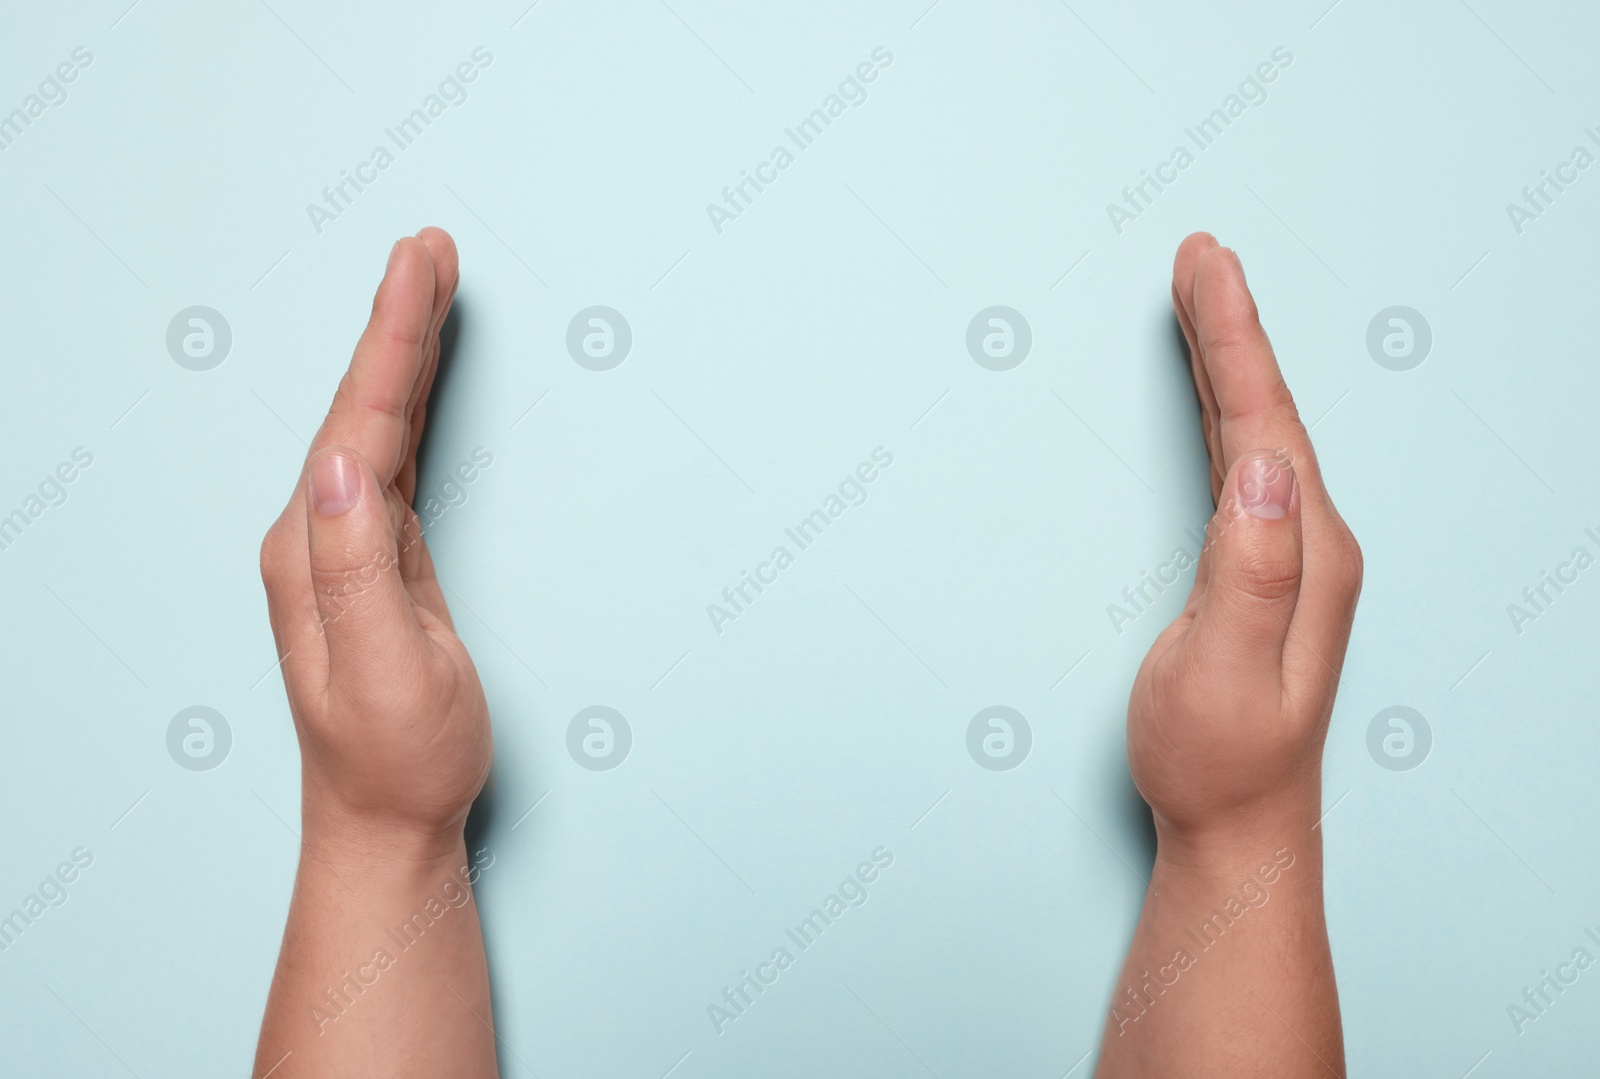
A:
1253, 576
355, 565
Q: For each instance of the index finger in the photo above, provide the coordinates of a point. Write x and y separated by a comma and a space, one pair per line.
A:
384, 370
371, 410
1257, 412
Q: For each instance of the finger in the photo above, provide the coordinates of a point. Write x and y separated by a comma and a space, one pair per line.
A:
1254, 542
1253, 406
416, 563
447, 276
372, 370
370, 411
1256, 410
423, 585
366, 613
1184, 264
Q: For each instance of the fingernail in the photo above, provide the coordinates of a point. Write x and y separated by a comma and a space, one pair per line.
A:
335, 483
1266, 487
1234, 255
394, 253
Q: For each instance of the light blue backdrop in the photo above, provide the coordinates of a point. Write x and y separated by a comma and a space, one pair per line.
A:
768, 359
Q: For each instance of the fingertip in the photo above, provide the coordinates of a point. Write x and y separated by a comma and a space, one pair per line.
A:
1256, 553
1238, 267
433, 233
1225, 312
334, 481
409, 271
1265, 486
404, 302
442, 247
1199, 241
353, 557
1190, 252
1219, 263
410, 255
446, 270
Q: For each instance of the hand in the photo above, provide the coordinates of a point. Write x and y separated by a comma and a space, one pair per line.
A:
1230, 709
392, 722
1229, 972
394, 731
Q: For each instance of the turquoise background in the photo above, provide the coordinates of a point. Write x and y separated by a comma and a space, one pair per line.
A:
768, 360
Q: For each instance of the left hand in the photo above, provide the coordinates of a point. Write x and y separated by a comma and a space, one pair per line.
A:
1231, 707
392, 721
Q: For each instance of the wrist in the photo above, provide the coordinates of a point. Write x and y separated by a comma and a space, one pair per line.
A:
358, 841
1192, 884
1246, 838
1291, 865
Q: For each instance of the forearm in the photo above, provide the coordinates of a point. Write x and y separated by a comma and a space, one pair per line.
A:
1229, 972
382, 970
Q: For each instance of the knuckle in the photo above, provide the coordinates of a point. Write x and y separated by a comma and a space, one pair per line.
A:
407, 335
356, 399
273, 557
1288, 414
1349, 563
344, 393
346, 571
1268, 576
1344, 561
345, 586
377, 404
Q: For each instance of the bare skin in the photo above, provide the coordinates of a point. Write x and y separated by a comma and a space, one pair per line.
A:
382, 970
1229, 972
